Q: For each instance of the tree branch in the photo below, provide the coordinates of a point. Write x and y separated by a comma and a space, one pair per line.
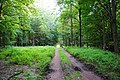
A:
105, 8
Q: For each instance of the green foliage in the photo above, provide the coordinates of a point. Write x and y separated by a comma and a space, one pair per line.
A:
95, 21
27, 76
37, 56
22, 24
13, 20
105, 62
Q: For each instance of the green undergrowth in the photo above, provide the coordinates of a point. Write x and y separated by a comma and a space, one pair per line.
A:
27, 76
37, 56
69, 73
104, 62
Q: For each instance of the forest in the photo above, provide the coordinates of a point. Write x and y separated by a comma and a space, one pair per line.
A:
35, 40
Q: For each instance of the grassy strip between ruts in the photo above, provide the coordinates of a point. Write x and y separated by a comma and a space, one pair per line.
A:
69, 73
38, 56
104, 62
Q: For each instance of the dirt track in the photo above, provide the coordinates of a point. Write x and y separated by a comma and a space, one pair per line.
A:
56, 73
85, 73
6, 71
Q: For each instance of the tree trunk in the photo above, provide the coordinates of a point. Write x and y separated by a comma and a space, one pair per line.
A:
112, 15
69, 42
1, 8
79, 12
4, 39
0, 38
114, 26
104, 34
63, 37
0, 30
28, 38
80, 28
66, 42
63, 40
33, 41
77, 39
72, 44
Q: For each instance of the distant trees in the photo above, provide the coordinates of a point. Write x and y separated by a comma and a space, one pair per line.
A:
22, 24
82, 23
44, 26
69, 17
14, 18
95, 23
111, 11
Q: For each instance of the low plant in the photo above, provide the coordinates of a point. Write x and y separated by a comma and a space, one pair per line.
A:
38, 56
103, 62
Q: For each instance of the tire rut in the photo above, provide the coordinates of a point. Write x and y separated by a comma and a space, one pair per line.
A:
86, 74
57, 73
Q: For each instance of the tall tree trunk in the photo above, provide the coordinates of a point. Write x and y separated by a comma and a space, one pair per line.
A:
71, 25
63, 41
0, 22
18, 40
1, 5
74, 41
66, 42
43, 39
1, 8
114, 26
80, 27
24, 40
79, 12
77, 39
69, 41
33, 40
111, 32
63, 37
0, 38
104, 33
4, 38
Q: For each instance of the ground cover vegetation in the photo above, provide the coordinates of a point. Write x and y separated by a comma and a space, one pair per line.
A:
38, 57
103, 62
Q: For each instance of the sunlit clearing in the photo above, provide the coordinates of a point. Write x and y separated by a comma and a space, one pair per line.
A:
58, 46
46, 4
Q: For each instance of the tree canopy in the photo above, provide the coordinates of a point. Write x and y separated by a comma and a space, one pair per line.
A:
94, 23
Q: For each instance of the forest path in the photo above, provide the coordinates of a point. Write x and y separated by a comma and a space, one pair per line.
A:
86, 74
57, 73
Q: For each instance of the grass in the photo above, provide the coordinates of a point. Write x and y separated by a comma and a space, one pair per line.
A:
104, 62
38, 56
69, 73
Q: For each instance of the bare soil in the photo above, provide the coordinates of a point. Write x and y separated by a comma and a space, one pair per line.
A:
15, 72
8, 71
84, 71
57, 73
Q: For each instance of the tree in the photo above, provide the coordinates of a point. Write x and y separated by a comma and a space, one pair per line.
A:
112, 15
